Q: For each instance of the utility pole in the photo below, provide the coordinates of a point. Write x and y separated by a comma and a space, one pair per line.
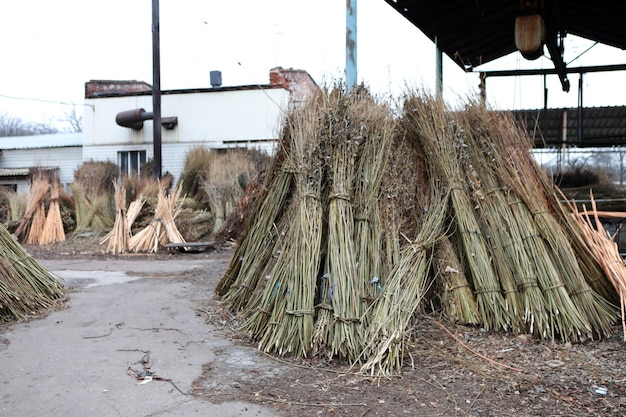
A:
156, 90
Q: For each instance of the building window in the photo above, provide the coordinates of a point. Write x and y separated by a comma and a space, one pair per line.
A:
130, 162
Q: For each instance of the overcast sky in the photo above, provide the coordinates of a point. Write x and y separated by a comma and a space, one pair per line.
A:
51, 48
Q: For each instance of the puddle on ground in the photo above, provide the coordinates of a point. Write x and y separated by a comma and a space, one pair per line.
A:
87, 279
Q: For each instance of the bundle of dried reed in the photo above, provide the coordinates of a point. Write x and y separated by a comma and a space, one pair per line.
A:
53, 228
163, 228
117, 240
35, 211
26, 287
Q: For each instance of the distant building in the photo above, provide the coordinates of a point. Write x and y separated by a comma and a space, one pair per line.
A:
62, 152
215, 117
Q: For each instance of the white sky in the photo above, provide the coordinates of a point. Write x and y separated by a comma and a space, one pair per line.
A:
51, 48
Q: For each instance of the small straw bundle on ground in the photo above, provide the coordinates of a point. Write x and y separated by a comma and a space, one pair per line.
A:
118, 238
26, 287
53, 228
163, 228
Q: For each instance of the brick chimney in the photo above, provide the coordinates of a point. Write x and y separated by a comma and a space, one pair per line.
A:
298, 82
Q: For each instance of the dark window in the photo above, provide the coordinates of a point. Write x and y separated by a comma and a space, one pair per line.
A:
130, 162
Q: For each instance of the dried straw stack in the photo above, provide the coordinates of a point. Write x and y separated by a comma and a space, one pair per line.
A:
290, 293
26, 287
34, 216
162, 229
428, 123
405, 289
53, 228
117, 240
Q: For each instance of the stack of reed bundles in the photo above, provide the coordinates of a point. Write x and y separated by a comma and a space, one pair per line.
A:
326, 266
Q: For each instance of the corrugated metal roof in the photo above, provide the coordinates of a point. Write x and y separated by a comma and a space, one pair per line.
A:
57, 140
601, 126
14, 172
473, 32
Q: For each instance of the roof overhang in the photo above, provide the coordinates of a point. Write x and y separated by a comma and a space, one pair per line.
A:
474, 32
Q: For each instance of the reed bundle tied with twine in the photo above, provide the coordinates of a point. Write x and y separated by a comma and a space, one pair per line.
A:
53, 227
117, 240
26, 287
323, 268
162, 229
290, 292
34, 216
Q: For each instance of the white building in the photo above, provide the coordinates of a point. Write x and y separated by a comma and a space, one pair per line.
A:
216, 118
19, 154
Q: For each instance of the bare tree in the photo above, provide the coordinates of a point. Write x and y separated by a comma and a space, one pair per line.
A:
74, 119
14, 126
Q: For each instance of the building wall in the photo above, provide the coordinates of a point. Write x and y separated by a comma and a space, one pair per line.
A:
67, 159
213, 119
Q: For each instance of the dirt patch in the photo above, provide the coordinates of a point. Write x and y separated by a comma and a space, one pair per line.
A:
467, 372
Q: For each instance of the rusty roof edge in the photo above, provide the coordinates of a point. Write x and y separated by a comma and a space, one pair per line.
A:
184, 91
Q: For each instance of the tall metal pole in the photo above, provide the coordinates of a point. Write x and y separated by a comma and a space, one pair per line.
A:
156, 89
438, 70
351, 45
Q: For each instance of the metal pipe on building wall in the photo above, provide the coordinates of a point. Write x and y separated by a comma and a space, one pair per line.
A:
156, 89
351, 44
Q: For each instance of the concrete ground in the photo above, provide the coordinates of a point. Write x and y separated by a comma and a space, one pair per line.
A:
124, 317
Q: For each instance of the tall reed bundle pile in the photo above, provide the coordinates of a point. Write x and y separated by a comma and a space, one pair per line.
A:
324, 265
35, 211
257, 244
428, 123
554, 227
163, 228
26, 287
53, 227
288, 299
338, 328
377, 129
402, 295
547, 309
117, 240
